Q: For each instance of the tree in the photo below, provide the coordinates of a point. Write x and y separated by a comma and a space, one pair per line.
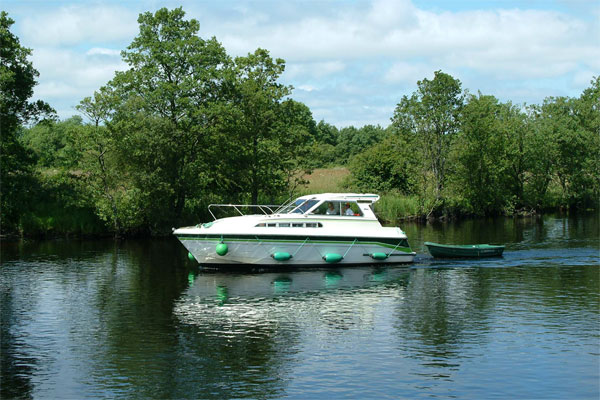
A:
540, 152
52, 142
326, 133
297, 131
384, 167
17, 80
352, 141
159, 118
588, 114
260, 135
432, 116
568, 125
482, 168
99, 159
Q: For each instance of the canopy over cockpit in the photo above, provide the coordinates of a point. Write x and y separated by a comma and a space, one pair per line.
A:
344, 204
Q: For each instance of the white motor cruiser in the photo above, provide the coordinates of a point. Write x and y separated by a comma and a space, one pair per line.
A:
312, 230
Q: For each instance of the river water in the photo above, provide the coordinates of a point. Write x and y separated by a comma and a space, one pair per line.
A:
137, 319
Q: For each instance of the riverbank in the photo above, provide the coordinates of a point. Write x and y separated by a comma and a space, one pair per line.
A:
62, 214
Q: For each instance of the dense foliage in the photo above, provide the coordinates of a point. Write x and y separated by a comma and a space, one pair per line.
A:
17, 79
472, 154
187, 125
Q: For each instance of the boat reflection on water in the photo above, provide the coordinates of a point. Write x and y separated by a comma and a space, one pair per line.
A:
224, 285
241, 299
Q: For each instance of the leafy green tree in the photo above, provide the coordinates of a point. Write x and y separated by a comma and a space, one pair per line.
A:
574, 148
52, 142
297, 131
159, 116
352, 141
588, 113
326, 133
431, 115
260, 135
384, 167
540, 150
110, 189
175, 76
482, 170
323, 152
516, 154
17, 80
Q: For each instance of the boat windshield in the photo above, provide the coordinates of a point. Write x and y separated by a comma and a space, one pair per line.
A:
298, 206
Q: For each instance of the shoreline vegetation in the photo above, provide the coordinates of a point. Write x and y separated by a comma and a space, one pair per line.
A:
188, 125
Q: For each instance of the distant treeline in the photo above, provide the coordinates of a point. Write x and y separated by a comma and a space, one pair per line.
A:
187, 125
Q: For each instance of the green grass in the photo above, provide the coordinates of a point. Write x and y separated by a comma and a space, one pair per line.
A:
395, 207
326, 180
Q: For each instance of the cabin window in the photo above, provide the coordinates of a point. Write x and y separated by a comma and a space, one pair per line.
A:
305, 206
284, 224
339, 208
297, 225
314, 225
261, 225
271, 225
329, 208
350, 208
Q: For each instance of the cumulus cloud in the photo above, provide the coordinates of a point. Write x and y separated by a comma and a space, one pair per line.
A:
67, 76
407, 72
509, 42
103, 52
80, 23
310, 70
350, 61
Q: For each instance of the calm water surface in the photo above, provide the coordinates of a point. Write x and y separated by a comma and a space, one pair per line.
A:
136, 319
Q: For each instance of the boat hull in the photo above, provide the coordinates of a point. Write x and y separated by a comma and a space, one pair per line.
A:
294, 251
464, 251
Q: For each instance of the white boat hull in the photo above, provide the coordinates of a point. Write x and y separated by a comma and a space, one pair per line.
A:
301, 252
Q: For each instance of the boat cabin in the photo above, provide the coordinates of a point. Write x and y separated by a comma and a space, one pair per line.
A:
332, 204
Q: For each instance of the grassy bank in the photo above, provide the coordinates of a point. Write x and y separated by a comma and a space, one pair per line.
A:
326, 180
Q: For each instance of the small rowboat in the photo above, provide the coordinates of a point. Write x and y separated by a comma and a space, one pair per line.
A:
458, 251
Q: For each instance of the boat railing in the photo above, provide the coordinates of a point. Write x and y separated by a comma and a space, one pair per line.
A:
264, 209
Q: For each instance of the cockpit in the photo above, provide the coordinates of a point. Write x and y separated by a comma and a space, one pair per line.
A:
322, 207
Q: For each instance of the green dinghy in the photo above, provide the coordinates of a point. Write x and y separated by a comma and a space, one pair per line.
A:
460, 251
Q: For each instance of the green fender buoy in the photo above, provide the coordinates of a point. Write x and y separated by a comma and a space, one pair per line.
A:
222, 249
332, 257
379, 256
191, 256
281, 256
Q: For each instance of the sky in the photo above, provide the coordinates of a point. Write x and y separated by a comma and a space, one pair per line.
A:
349, 61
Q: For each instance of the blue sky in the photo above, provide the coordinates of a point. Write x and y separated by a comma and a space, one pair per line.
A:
349, 61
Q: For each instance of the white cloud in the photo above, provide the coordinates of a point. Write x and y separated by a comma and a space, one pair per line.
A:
80, 23
306, 88
503, 42
103, 52
350, 61
312, 70
408, 73
67, 76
